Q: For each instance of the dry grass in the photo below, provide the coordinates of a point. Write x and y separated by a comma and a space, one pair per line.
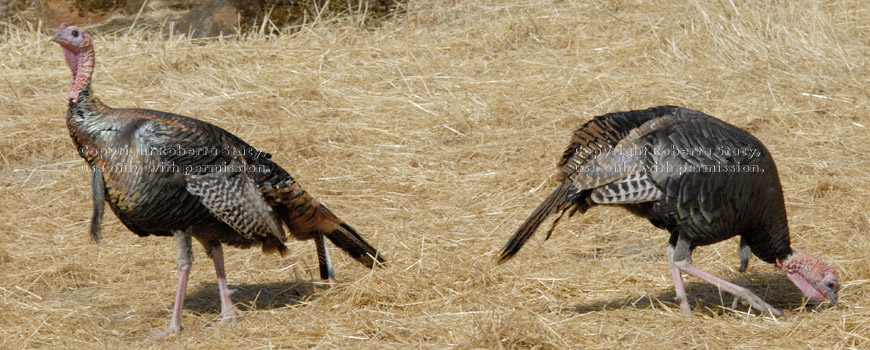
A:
436, 134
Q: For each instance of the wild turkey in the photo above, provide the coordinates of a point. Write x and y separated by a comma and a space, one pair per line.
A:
696, 176
166, 174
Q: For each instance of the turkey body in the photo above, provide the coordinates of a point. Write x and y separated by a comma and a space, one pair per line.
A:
145, 158
699, 178
707, 176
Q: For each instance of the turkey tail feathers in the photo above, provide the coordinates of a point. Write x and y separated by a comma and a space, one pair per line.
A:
346, 238
590, 150
306, 219
559, 200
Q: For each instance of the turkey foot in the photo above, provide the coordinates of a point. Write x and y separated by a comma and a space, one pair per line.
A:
171, 330
229, 317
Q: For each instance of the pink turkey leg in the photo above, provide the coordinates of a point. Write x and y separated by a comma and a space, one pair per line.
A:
685, 309
175, 321
756, 302
229, 312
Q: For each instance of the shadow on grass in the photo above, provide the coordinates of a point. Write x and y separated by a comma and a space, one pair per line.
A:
262, 296
775, 289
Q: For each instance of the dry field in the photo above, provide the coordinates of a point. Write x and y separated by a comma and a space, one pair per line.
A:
435, 134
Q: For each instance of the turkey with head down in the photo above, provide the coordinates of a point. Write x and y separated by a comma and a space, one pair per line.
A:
696, 176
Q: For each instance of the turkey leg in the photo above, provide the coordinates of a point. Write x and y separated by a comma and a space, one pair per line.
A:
230, 314
681, 258
183, 262
685, 309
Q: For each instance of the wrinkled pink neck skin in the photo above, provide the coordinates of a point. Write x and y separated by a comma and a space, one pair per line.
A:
81, 63
806, 272
73, 61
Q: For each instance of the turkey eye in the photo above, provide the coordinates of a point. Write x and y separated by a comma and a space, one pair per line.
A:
75, 33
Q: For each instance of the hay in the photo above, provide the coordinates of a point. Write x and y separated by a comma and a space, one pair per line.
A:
435, 134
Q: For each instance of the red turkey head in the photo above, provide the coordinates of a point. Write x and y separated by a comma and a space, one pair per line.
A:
816, 279
79, 54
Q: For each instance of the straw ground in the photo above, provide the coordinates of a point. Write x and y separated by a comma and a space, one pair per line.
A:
435, 134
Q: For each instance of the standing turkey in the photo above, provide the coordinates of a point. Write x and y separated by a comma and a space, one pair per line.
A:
696, 176
166, 174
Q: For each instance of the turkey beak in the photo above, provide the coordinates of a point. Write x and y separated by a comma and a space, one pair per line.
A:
832, 296
57, 37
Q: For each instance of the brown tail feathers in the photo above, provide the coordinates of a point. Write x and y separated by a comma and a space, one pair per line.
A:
563, 198
306, 218
351, 242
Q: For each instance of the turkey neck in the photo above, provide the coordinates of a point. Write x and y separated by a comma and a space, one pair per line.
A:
87, 116
81, 64
774, 243
768, 235
88, 123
